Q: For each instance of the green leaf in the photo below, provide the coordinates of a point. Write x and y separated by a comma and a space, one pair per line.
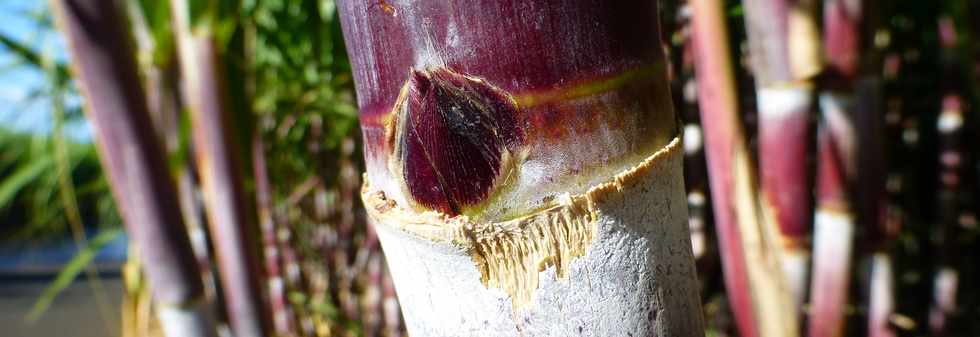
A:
70, 271
152, 18
25, 53
24, 175
736, 11
31, 57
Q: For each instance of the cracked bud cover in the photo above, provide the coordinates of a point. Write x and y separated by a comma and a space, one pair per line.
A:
453, 137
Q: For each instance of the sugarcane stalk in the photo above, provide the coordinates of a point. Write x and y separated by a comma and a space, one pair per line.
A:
785, 53
219, 167
394, 324
715, 88
512, 150
160, 82
836, 166
881, 304
102, 58
870, 200
685, 99
851, 191
282, 320
760, 300
372, 293
834, 221
881, 298
876, 215
697, 200
292, 270
945, 285
953, 164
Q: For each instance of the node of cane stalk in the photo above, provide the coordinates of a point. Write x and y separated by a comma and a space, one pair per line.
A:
511, 254
455, 143
453, 139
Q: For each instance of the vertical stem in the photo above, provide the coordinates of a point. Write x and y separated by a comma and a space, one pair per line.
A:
954, 162
372, 274
785, 45
834, 224
881, 304
292, 272
160, 83
481, 114
871, 204
103, 59
348, 181
281, 317
836, 166
723, 139
695, 167
66, 192
392, 314
759, 300
217, 152
881, 299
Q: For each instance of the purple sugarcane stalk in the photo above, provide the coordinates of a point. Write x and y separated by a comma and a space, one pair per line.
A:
871, 200
231, 227
881, 299
394, 326
695, 168
836, 166
785, 53
723, 141
752, 275
492, 111
530, 71
953, 169
834, 224
161, 84
282, 320
102, 58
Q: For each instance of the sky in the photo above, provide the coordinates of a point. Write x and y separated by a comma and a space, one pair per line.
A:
18, 81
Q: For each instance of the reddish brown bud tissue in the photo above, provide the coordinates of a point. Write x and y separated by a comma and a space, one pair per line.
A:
452, 136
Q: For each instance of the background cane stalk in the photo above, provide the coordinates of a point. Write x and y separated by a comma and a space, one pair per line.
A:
103, 59
761, 301
837, 163
217, 153
785, 53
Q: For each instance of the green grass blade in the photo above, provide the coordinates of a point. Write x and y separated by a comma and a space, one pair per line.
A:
70, 271
31, 57
26, 54
24, 175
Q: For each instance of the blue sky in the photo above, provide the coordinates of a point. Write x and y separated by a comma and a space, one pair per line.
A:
18, 81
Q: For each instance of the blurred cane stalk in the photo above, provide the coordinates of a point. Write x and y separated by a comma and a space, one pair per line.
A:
761, 298
102, 58
785, 53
